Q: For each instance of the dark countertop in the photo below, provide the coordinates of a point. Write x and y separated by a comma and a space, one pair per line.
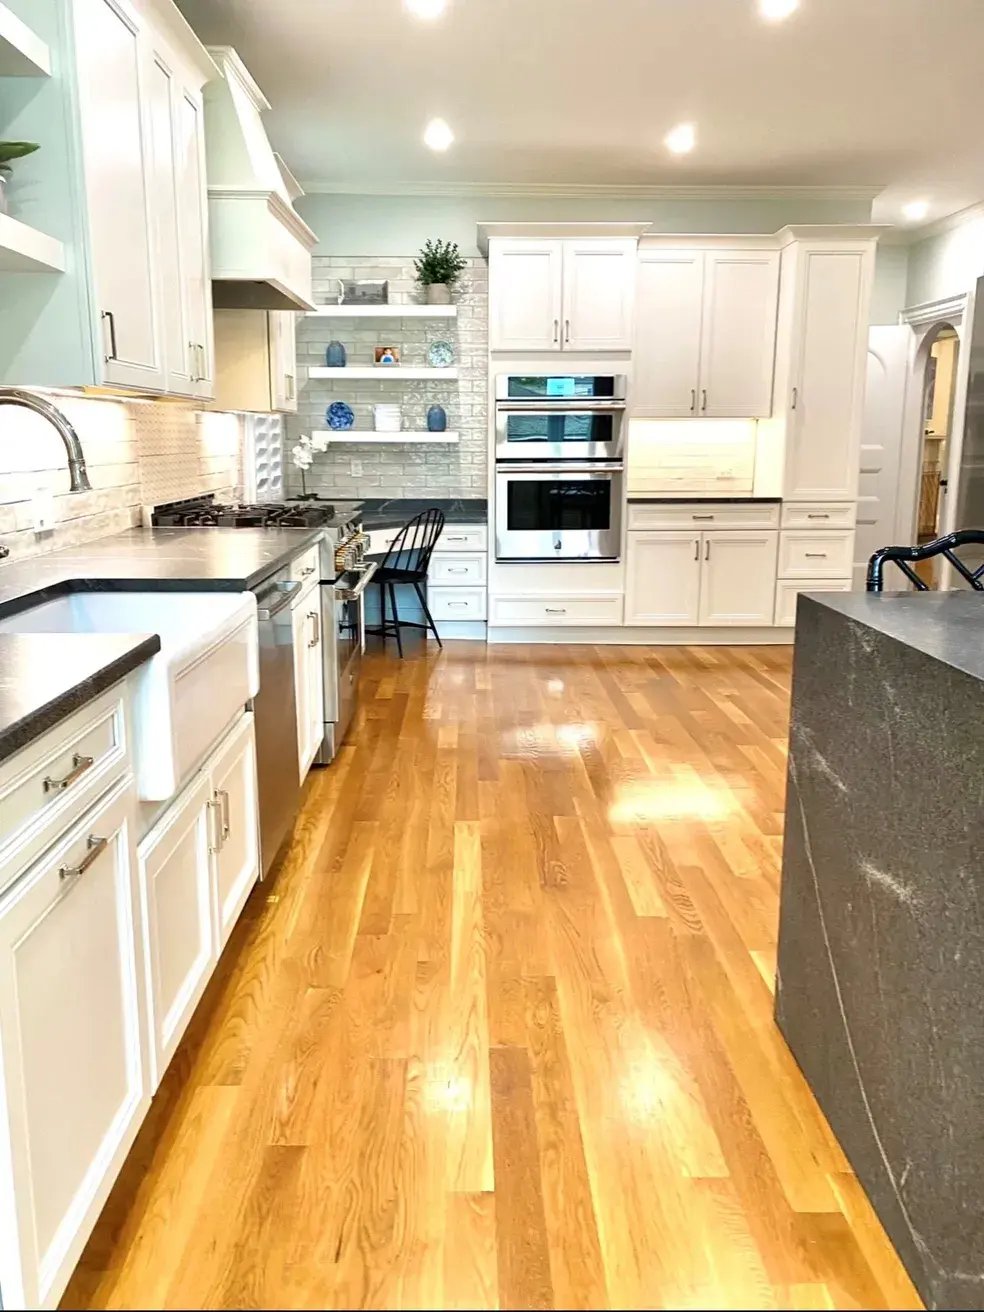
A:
698, 497
947, 626
392, 513
44, 677
155, 560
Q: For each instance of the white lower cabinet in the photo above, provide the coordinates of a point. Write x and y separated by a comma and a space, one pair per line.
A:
73, 1079
197, 866
662, 584
787, 591
309, 687
713, 579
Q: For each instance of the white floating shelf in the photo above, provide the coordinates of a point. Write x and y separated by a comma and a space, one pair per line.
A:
379, 372
355, 437
25, 250
22, 54
384, 312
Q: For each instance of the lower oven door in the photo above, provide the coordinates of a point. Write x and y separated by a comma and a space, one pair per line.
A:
343, 616
558, 512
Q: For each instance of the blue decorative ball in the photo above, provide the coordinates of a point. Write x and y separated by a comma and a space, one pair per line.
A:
340, 415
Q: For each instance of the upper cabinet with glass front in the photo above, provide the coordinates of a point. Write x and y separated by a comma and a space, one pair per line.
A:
561, 294
120, 181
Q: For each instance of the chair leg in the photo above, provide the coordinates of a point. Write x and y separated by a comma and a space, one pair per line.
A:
427, 615
382, 613
396, 621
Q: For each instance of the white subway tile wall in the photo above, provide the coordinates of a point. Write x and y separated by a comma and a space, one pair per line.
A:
137, 453
397, 470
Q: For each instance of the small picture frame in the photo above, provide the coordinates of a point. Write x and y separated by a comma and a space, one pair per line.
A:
387, 355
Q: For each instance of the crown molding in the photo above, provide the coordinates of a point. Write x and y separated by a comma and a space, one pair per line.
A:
584, 191
929, 312
947, 224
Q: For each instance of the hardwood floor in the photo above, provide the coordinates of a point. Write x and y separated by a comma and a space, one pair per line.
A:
500, 1031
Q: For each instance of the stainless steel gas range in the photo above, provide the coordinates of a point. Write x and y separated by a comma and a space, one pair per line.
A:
339, 628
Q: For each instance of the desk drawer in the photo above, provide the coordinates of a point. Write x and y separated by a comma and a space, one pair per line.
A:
47, 785
457, 571
701, 515
463, 537
456, 603
820, 555
557, 610
819, 515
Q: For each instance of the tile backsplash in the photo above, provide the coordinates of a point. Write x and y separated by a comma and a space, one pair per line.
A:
137, 453
397, 470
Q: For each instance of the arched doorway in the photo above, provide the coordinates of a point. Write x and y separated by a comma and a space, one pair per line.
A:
939, 390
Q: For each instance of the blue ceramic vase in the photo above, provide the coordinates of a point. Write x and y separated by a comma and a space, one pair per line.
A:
437, 419
335, 357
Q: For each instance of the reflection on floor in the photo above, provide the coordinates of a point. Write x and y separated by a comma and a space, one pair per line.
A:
500, 1032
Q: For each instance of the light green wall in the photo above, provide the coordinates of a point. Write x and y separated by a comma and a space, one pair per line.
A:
949, 263
888, 296
399, 225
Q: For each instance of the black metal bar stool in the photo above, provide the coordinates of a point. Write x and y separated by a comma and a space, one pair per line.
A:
407, 561
944, 546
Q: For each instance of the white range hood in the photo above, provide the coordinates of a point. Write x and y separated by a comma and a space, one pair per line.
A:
261, 247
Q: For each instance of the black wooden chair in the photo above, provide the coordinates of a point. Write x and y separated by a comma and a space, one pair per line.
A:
407, 561
945, 546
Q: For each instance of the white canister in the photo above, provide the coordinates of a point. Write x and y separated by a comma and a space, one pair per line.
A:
387, 418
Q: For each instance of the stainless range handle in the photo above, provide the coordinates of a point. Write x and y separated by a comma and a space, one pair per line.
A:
285, 597
353, 594
96, 847
79, 766
553, 467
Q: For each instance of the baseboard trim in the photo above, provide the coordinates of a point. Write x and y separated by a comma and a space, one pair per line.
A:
644, 637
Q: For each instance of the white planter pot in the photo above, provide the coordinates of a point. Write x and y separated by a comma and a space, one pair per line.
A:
438, 293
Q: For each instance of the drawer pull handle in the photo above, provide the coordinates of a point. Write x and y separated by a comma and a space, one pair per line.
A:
459, 605
96, 847
553, 610
457, 537
306, 571
79, 766
701, 516
457, 569
817, 516
816, 555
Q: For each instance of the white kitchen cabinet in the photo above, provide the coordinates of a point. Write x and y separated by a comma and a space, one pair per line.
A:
174, 862
112, 69
738, 579
662, 585
237, 860
705, 342
308, 677
73, 1081
738, 340
561, 295
525, 294
256, 360
192, 205
599, 294
788, 590
283, 360
666, 358
822, 390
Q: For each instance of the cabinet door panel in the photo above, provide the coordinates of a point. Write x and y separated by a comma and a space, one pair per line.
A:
738, 578
308, 679
662, 578
283, 360
599, 291
189, 181
738, 349
117, 168
525, 304
177, 353
666, 359
824, 430
237, 861
74, 1083
176, 891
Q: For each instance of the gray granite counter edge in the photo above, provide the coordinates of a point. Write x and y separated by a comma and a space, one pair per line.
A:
31, 726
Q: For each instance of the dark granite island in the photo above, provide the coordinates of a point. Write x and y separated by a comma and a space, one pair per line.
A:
881, 946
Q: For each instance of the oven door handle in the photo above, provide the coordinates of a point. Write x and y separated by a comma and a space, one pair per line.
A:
560, 467
353, 594
559, 405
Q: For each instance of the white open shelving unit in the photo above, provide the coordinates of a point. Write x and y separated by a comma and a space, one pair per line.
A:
25, 250
378, 372
344, 311
22, 54
369, 437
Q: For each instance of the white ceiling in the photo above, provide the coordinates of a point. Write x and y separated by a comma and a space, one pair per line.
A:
886, 93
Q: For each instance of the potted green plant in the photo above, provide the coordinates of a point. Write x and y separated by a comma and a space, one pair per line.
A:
9, 151
439, 267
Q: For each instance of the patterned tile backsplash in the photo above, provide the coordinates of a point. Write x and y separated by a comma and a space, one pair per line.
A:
137, 453
401, 469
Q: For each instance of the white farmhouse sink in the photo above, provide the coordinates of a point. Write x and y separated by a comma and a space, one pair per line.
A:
186, 695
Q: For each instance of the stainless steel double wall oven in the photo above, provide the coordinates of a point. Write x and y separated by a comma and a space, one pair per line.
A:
559, 466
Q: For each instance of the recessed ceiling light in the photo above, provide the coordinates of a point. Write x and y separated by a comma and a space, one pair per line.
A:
682, 139
438, 135
916, 210
426, 8
776, 10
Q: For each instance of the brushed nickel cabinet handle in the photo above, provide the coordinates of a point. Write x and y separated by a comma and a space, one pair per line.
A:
701, 516
693, 399
795, 397
96, 847
214, 808
567, 331
111, 319
556, 336
223, 798
703, 398
555, 611
809, 516
79, 766
313, 615
816, 555
696, 548
707, 549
